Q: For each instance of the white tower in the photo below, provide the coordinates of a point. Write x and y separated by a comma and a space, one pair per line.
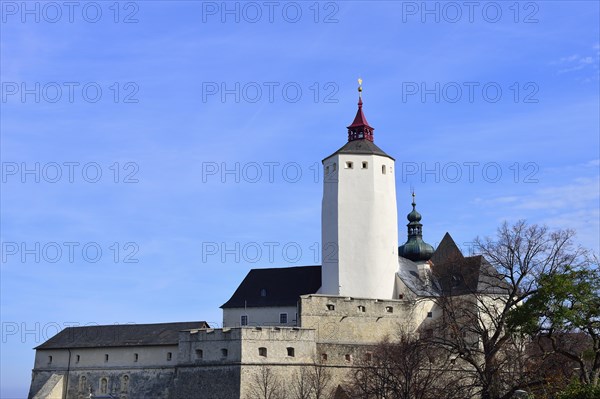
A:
359, 217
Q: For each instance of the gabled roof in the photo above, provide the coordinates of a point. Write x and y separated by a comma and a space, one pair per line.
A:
446, 250
363, 146
459, 275
119, 335
282, 287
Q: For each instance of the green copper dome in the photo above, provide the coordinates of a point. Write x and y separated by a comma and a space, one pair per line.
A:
415, 248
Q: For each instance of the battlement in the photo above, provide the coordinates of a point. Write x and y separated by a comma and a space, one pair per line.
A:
247, 344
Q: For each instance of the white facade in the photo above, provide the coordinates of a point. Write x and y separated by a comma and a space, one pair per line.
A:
264, 316
359, 226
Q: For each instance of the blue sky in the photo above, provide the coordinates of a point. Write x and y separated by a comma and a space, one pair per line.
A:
212, 123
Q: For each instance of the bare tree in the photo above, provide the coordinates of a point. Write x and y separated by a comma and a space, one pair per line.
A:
265, 384
479, 294
312, 382
405, 369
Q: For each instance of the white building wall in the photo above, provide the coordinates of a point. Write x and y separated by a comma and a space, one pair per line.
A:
267, 316
359, 227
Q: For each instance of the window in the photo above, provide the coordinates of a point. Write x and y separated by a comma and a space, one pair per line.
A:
77, 358
106, 357
82, 383
125, 383
244, 320
365, 165
324, 357
49, 359
330, 307
169, 356
327, 170
283, 318
291, 352
199, 354
383, 169
348, 357
263, 292
400, 296
262, 352
349, 165
136, 357
224, 352
361, 308
429, 314
389, 309
334, 166
104, 385
368, 356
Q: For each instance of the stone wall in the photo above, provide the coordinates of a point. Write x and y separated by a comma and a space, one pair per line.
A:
362, 321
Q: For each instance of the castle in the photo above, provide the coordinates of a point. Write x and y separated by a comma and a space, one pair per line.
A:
366, 289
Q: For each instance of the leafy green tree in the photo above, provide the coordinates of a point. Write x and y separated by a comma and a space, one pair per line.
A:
563, 315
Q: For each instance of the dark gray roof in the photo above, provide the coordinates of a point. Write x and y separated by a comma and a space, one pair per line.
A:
120, 335
363, 146
282, 286
459, 275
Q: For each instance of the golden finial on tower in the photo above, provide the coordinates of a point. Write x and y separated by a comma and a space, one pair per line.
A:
359, 87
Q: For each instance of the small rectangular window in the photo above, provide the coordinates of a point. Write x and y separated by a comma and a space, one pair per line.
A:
334, 166
429, 314
169, 356
77, 358
383, 169
324, 357
361, 308
244, 320
291, 352
283, 318
365, 165
330, 307
348, 358
349, 165
106, 357
224, 352
136, 357
199, 354
327, 170
49, 359
389, 309
400, 296
262, 352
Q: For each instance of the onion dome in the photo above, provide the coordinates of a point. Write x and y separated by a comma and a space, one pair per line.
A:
415, 248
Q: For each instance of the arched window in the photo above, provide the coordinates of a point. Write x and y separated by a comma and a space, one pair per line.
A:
82, 383
125, 383
104, 385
